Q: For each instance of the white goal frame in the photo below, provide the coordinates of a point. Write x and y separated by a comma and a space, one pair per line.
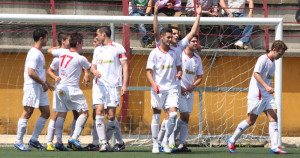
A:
277, 22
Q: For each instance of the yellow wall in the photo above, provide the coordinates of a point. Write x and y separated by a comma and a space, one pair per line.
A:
222, 111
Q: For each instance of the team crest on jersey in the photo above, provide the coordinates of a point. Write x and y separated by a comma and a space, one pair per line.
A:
61, 93
166, 67
270, 77
189, 72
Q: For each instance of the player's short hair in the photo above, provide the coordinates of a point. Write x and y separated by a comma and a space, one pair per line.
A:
62, 36
195, 36
279, 46
38, 33
75, 37
106, 30
175, 28
165, 30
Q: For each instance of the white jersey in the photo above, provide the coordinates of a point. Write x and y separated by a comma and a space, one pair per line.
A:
190, 67
35, 60
108, 60
70, 66
55, 66
266, 68
164, 68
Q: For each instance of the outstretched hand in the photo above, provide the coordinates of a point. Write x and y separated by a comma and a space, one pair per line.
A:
199, 8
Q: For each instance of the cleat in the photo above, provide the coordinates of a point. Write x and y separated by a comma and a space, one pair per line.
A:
60, 147
278, 150
36, 144
75, 144
105, 147
167, 149
50, 147
181, 148
91, 147
239, 44
230, 146
21, 147
155, 149
69, 145
161, 149
119, 147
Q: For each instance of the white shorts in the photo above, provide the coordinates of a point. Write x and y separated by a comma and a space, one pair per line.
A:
255, 106
164, 100
70, 98
109, 96
186, 103
33, 96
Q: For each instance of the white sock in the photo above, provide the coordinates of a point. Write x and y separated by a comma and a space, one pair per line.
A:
273, 131
51, 131
239, 131
170, 126
177, 128
100, 127
95, 135
110, 129
22, 125
59, 125
162, 130
80, 122
183, 133
155, 128
73, 127
118, 132
39, 125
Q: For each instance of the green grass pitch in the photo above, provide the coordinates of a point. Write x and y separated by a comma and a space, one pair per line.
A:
145, 152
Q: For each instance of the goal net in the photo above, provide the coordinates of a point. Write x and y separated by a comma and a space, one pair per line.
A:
220, 102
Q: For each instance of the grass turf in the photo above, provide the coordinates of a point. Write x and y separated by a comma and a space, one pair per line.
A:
145, 152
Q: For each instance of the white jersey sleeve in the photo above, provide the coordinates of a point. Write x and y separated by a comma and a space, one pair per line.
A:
199, 70
183, 43
33, 61
121, 51
56, 52
259, 65
55, 64
94, 61
151, 61
84, 62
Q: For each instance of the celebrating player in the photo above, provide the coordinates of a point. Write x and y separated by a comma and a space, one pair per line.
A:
165, 64
68, 94
191, 66
108, 62
260, 98
35, 92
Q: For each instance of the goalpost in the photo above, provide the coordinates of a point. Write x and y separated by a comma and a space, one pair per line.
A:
206, 90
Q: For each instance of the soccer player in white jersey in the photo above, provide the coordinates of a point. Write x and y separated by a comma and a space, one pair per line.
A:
94, 146
191, 67
178, 46
109, 62
165, 64
260, 98
68, 94
35, 92
63, 41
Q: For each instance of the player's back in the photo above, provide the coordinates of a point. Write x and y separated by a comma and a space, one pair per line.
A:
70, 67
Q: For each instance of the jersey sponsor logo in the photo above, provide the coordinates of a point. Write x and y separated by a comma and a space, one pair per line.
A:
63, 73
270, 77
106, 61
189, 72
44, 67
166, 67
62, 93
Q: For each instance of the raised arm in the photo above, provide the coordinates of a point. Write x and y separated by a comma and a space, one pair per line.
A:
251, 6
155, 23
149, 8
196, 23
